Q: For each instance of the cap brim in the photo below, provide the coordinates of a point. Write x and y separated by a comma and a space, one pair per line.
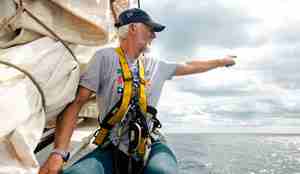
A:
156, 27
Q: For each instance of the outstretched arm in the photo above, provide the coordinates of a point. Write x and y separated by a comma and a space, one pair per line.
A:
199, 66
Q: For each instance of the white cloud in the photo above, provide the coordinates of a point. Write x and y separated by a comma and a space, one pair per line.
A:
262, 90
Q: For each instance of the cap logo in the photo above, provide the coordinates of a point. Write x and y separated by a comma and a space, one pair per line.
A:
129, 14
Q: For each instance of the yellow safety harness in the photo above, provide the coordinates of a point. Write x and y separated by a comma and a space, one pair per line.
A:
117, 113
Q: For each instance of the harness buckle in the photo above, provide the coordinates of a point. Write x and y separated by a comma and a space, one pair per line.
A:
128, 79
135, 136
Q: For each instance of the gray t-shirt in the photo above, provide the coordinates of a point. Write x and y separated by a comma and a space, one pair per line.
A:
104, 76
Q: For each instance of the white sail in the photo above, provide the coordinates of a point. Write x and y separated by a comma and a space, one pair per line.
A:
28, 45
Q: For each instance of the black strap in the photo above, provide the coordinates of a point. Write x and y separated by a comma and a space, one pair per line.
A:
123, 164
152, 110
116, 157
110, 114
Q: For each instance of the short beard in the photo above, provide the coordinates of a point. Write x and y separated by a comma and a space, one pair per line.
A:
147, 49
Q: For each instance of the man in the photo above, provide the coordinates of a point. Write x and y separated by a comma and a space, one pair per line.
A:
139, 145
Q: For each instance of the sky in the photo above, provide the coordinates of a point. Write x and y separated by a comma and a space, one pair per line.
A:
261, 93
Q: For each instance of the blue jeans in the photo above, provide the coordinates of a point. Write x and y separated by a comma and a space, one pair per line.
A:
161, 161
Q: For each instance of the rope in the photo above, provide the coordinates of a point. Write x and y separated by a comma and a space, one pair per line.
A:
56, 36
20, 9
10, 19
51, 32
31, 78
114, 14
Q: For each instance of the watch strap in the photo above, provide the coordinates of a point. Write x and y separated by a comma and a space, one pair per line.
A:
64, 154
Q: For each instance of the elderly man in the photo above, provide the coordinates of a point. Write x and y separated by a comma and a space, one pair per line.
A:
130, 85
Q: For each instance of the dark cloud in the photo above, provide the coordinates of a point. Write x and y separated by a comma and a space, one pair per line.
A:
271, 82
193, 23
198, 86
282, 65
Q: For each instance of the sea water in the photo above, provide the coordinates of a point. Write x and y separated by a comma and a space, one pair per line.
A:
214, 153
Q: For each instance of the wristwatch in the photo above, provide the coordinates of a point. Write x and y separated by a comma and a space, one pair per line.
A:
64, 154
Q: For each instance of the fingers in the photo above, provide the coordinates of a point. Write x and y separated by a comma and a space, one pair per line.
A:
229, 65
229, 60
43, 171
53, 165
53, 171
231, 56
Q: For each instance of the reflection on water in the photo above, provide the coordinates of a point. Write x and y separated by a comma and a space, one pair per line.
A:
237, 153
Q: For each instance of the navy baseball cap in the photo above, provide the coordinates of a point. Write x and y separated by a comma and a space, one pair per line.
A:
136, 15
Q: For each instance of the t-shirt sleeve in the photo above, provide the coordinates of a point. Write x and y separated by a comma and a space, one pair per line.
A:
167, 69
91, 77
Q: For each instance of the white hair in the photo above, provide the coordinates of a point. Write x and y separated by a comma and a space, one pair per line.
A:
123, 32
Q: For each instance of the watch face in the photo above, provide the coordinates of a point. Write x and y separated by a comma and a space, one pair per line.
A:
65, 155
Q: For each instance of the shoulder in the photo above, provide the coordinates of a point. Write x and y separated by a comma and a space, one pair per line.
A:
105, 56
105, 52
153, 61
149, 60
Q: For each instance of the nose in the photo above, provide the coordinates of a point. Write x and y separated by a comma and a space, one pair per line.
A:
153, 35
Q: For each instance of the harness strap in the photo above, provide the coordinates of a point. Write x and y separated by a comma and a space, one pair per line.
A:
127, 93
113, 118
143, 99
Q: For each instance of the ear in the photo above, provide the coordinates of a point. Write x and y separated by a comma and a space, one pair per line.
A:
132, 28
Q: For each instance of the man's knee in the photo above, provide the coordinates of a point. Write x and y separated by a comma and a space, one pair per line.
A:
161, 161
161, 170
86, 166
